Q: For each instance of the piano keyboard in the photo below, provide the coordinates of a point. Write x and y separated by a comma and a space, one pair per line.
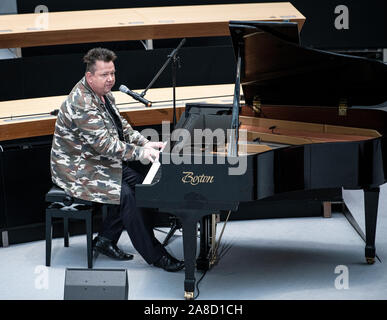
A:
154, 173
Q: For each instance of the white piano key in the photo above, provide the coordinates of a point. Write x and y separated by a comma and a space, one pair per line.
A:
154, 168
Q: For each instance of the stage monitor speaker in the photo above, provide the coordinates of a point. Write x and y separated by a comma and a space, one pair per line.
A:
96, 284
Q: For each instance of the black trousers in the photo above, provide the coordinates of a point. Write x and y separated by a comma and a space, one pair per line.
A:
138, 222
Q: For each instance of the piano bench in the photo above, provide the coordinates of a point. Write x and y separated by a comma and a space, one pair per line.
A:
62, 205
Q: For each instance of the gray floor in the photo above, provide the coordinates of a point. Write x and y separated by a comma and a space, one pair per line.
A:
292, 258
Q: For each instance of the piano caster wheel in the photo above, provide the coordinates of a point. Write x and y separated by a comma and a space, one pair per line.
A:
188, 295
370, 260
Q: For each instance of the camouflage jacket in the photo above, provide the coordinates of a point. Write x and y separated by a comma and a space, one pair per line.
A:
86, 153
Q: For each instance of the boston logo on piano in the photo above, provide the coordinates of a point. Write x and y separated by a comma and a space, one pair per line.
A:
189, 177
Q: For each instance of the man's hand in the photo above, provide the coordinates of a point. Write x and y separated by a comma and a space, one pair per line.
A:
150, 154
154, 145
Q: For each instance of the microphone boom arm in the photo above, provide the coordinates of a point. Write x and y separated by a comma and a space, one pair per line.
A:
170, 57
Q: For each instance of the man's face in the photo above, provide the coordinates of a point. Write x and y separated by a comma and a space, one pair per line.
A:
103, 79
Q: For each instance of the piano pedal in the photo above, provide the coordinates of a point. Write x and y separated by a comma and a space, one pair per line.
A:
213, 261
203, 264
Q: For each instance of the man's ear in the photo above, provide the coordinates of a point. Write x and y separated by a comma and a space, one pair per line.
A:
88, 76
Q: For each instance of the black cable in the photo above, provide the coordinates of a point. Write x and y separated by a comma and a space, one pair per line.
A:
197, 284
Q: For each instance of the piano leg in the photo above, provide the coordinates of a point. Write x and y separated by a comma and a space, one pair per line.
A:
189, 223
371, 199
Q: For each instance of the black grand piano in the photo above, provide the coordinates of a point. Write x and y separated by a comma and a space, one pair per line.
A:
310, 120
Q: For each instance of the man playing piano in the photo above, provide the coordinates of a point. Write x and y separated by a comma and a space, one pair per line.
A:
91, 156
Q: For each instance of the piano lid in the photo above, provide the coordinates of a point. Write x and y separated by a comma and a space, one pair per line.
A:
279, 71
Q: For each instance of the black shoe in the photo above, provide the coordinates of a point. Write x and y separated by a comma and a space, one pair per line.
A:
110, 249
169, 263
128, 256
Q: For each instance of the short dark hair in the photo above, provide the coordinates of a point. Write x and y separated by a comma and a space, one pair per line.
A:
95, 54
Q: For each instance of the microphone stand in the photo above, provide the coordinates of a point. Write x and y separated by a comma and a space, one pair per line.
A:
175, 223
175, 61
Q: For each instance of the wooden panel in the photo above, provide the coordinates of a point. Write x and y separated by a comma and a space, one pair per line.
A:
42, 127
30, 117
27, 129
26, 30
161, 97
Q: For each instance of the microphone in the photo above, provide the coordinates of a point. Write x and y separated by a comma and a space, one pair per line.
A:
135, 95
